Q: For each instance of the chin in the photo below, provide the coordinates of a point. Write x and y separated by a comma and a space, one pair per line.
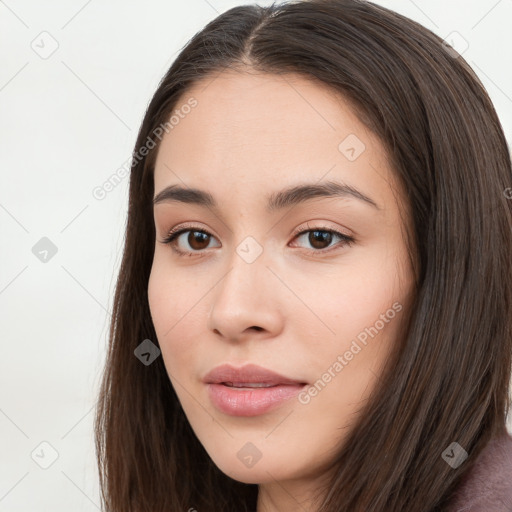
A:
260, 473
245, 477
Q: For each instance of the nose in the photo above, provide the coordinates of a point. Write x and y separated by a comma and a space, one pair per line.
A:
245, 303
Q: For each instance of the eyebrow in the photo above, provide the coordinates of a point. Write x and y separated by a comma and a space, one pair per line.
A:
275, 201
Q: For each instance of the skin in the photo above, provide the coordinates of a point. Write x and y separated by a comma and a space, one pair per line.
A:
250, 135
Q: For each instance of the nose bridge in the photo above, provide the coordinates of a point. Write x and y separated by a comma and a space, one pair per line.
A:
247, 279
245, 296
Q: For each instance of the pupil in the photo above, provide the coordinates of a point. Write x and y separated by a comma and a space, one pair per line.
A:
319, 237
194, 239
194, 236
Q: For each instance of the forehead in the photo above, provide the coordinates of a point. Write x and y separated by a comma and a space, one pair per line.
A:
256, 131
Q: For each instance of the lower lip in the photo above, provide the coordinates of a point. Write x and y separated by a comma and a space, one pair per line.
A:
251, 402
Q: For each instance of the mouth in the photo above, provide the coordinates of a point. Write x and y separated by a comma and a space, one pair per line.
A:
253, 399
250, 390
248, 385
247, 376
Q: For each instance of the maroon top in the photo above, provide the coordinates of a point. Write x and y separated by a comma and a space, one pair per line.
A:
488, 485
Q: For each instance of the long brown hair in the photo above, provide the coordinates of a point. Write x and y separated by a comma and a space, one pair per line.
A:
448, 380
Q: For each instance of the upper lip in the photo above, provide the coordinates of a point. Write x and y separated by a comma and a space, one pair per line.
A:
250, 373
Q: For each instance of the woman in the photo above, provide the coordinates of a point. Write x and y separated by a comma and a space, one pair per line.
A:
314, 306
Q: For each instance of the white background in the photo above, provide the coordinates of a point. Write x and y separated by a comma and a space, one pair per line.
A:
67, 123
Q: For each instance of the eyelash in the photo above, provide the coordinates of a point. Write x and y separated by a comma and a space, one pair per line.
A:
176, 232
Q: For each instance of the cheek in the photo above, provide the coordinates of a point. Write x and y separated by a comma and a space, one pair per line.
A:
363, 306
166, 310
353, 297
170, 295
159, 298
175, 306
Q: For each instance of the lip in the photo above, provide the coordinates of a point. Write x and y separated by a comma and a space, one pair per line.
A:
249, 373
244, 401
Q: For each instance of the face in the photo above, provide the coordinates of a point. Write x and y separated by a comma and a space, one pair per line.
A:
312, 286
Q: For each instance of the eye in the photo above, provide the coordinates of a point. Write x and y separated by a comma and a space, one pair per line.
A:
321, 237
198, 239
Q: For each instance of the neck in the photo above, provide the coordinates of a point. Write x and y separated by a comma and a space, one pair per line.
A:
295, 496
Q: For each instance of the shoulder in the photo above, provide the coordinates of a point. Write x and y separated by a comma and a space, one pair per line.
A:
488, 485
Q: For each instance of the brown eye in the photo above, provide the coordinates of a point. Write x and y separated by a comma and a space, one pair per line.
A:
198, 240
320, 239
195, 241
